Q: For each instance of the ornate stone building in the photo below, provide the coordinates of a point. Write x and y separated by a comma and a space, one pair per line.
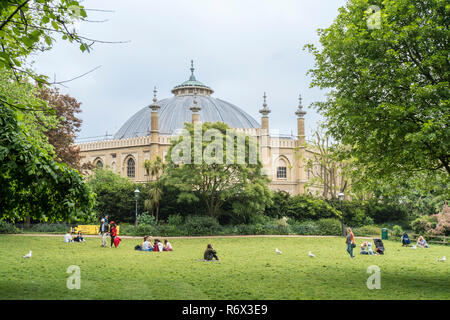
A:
148, 134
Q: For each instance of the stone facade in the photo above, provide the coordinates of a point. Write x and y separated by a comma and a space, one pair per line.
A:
284, 159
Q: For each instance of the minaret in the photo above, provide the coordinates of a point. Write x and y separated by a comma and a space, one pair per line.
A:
264, 138
265, 115
154, 129
300, 123
195, 109
301, 158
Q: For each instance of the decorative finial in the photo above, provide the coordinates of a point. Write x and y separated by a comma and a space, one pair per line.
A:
192, 66
300, 113
154, 106
264, 111
154, 95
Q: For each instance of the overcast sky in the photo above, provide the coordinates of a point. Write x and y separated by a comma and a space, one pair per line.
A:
240, 48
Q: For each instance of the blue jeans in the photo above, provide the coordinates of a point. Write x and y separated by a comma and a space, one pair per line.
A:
350, 249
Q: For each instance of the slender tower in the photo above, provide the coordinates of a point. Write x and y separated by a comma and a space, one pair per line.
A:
264, 138
301, 159
154, 129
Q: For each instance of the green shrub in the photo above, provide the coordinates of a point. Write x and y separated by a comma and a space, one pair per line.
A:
424, 225
397, 231
367, 231
175, 219
6, 227
201, 225
146, 219
305, 228
51, 227
168, 230
303, 207
329, 227
145, 230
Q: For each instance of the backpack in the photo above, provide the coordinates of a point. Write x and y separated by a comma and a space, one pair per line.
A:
137, 247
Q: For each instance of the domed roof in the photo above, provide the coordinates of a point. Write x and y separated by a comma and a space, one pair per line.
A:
175, 111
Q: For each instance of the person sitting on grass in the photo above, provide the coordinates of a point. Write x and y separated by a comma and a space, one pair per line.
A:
369, 249
79, 237
68, 237
405, 239
422, 243
363, 248
147, 245
210, 253
167, 246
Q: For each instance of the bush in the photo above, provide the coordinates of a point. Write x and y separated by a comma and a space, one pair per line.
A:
397, 231
146, 219
424, 224
6, 227
175, 220
367, 231
303, 207
329, 227
305, 228
51, 227
201, 225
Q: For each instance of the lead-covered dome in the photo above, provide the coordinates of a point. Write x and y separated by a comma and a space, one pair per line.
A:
175, 111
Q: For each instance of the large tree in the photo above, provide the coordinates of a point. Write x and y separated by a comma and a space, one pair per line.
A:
389, 84
62, 136
212, 175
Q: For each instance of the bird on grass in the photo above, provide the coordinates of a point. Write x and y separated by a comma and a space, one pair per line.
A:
311, 255
278, 251
28, 255
442, 259
413, 247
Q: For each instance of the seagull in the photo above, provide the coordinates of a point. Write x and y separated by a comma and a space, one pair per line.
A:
413, 247
442, 259
28, 255
278, 251
311, 255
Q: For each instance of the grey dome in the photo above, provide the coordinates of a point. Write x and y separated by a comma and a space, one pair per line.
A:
175, 112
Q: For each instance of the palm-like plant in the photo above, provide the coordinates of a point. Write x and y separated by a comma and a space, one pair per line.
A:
154, 167
155, 194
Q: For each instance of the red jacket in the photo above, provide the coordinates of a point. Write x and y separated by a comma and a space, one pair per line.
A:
114, 231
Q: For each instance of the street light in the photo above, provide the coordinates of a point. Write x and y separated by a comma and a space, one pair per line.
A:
341, 196
136, 196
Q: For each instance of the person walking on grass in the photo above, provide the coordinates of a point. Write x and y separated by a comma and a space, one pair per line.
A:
113, 232
350, 241
103, 230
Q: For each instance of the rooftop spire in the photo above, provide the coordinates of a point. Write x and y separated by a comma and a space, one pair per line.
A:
264, 111
154, 106
300, 113
192, 78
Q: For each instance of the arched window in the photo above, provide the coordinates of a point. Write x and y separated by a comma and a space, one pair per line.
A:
282, 172
99, 164
130, 168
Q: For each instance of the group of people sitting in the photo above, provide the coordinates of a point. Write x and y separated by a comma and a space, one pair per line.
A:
156, 246
68, 237
421, 242
366, 248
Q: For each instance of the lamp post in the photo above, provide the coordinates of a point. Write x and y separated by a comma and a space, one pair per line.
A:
341, 196
136, 196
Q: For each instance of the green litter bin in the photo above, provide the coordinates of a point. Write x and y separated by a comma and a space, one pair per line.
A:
384, 233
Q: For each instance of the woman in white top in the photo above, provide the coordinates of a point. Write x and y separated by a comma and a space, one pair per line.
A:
68, 237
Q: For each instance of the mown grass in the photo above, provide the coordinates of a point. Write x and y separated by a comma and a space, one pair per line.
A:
249, 268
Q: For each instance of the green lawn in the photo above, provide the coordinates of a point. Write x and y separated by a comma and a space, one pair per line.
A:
249, 269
